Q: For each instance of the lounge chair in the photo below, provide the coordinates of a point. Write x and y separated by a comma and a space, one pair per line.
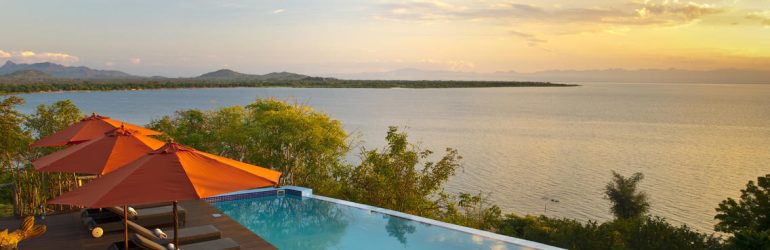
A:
137, 242
187, 235
154, 216
111, 219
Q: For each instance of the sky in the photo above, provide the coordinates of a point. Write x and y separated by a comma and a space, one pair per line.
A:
321, 37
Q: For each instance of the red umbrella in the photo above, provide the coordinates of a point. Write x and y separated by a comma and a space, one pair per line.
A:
89, 128
99, 156
171, 173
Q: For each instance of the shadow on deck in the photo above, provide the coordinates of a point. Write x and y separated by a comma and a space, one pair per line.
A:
65, 231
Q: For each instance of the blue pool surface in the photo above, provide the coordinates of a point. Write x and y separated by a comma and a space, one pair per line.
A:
298, 223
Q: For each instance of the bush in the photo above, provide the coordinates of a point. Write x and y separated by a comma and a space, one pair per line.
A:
645, 232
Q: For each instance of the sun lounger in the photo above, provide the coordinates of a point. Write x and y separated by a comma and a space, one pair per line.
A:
111, 219
159, 204
187, 235
138, 242
154, 216
102, 212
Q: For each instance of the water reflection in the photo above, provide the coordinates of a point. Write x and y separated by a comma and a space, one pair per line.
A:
289, 223
398, 228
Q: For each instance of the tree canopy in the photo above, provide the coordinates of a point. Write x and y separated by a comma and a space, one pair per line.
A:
305, 145
14, 138
627, 202
750, 213
400, 176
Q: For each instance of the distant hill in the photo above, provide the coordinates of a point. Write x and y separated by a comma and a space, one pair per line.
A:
61, 71
226, 74
28, 74
223, 73
576, 76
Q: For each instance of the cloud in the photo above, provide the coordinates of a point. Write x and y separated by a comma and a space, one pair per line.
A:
135, 60
667, 12
763, 17
531, 39
278, 11
676, 12
36, 57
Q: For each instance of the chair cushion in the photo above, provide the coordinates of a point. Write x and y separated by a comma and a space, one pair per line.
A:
194, 234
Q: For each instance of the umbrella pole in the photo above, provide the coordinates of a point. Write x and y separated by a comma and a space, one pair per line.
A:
176, 228
125, 227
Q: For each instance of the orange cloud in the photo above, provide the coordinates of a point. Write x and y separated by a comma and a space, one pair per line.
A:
35, 57
634, 13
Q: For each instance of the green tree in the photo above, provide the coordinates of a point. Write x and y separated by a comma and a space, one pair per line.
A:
30, 189
188, 127
13, 144
305, 145
400, 176
13, 137
748, 218
749, 239
751, 212
469, 210
49, 119
627, 201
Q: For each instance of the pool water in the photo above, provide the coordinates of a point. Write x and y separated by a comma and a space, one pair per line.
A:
293, 222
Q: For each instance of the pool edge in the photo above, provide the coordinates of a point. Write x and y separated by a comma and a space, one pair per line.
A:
308, 193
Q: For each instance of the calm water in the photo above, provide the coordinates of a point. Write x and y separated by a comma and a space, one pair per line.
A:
294, 223
696, 144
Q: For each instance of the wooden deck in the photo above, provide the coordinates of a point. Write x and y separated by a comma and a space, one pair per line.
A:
65, 231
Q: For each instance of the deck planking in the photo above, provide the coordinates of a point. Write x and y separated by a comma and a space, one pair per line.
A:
65, 231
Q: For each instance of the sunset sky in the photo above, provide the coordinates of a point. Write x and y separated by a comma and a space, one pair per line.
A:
190, 37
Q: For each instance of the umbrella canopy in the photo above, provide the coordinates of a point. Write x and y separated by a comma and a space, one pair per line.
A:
173, 172
89, 128
99, 156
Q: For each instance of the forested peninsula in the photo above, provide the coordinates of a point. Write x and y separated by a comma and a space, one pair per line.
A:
10, 86
47, 77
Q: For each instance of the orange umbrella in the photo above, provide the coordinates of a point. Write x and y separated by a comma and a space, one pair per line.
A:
171, 173
99, 156
89, 128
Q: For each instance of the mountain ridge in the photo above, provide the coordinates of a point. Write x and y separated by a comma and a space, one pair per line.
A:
61, 71
28, 74
228, 74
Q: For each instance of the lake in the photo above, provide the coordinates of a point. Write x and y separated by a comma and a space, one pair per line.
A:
696, 143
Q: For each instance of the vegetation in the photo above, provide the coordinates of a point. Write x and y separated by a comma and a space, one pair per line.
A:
643, 232
306, 146
627, 202
15, 85
24, 189
390, 177
749, 218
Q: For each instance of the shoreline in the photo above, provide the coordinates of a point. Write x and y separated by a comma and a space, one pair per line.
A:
37, 88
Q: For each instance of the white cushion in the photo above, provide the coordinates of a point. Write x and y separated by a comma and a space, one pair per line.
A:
160, 234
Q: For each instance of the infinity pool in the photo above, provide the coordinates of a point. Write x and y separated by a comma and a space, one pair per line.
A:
293, 222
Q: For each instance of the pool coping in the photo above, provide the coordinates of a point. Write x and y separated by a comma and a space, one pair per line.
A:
308, 193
